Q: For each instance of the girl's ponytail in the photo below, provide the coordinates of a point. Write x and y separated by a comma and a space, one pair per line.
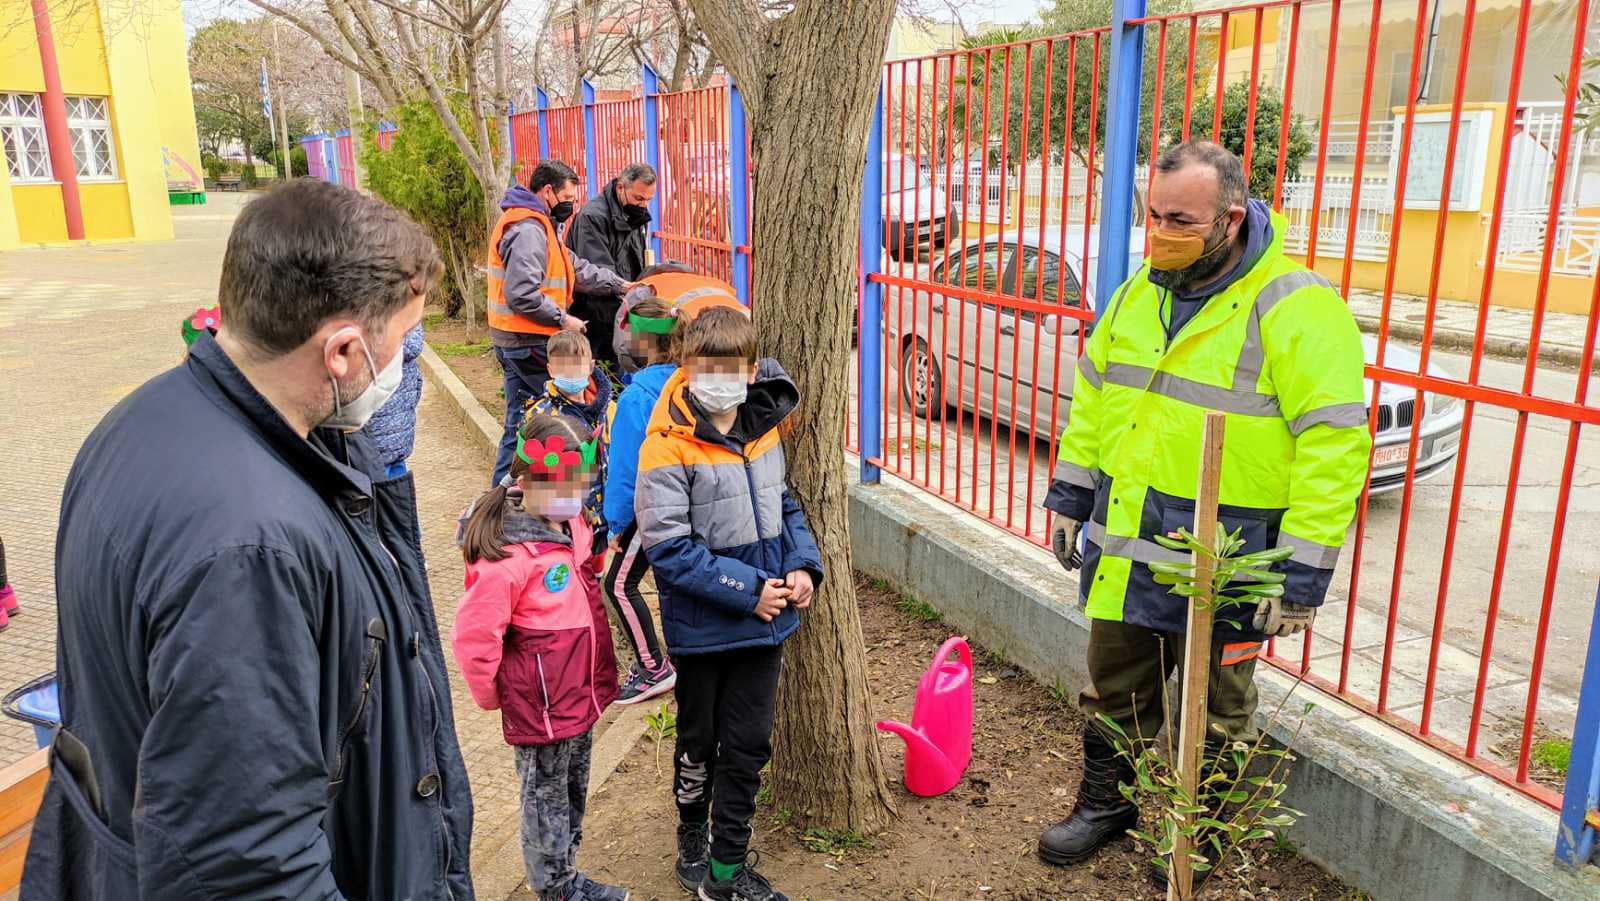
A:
483, 535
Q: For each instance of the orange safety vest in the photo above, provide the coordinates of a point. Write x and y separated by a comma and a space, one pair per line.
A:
558, 275
690, 293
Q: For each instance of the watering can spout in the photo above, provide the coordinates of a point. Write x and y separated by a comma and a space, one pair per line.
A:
917, 744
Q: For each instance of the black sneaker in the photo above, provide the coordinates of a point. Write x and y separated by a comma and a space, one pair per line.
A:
694, 855
746, 885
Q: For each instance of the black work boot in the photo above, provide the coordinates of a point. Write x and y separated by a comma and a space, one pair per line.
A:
1100, 814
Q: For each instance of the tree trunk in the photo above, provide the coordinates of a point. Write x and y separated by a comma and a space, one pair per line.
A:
810, 82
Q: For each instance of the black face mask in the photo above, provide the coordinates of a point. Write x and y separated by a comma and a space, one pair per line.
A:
637, 216
561, 212
1201, 271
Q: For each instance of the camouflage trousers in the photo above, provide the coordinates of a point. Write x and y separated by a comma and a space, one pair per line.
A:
554, 780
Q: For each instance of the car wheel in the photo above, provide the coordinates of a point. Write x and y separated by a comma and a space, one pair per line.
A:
921, 379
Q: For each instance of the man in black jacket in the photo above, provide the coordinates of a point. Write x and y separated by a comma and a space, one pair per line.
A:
610, 232
253, 694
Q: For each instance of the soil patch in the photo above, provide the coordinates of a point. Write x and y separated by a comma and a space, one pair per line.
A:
977, 841
469, 355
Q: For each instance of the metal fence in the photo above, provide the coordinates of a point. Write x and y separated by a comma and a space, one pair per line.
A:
1001, 203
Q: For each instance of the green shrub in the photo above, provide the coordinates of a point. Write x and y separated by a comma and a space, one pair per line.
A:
424, 174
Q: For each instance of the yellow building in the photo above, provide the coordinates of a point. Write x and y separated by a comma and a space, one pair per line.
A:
96, 117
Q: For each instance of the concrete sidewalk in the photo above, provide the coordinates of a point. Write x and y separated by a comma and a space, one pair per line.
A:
1506, 330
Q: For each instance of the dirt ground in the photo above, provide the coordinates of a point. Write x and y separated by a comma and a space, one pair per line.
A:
469, 355
975, 842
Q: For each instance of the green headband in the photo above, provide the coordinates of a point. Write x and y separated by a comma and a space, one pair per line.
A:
658, 325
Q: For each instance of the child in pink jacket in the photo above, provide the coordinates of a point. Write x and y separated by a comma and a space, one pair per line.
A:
532, 641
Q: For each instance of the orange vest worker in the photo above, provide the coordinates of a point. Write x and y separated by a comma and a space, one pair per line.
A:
558, 275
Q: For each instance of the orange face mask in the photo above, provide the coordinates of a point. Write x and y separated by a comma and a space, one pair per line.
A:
1171, 249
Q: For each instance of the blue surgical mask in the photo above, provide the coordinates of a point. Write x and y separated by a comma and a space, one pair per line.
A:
570, 386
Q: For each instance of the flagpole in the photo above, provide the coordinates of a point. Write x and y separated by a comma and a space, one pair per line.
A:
266, 110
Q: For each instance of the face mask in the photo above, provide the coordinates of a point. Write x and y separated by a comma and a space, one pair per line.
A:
637, 216
719, 393
352, 415
570, 386
1178, 259
561, 212
560, 509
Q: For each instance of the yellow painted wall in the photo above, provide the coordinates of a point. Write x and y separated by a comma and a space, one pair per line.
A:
9, 238
106, 214
169, 74
39, 214
141, 65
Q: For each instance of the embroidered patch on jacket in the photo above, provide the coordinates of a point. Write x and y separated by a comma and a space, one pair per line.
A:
557, 577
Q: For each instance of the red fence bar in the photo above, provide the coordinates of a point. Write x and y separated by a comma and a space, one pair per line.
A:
566, 140
974, 329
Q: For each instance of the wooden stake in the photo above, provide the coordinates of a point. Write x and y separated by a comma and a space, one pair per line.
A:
1197, 650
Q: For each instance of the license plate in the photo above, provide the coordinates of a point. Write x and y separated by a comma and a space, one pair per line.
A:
1396, 454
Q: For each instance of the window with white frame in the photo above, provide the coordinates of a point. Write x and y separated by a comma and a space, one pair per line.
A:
90, 128
22, 134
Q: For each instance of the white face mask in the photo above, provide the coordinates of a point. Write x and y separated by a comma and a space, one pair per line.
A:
353, 415
719, 392
560, 509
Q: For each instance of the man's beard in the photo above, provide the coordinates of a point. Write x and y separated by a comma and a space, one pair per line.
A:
1201, 271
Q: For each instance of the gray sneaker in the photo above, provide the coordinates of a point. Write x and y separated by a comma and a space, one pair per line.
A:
642, 685
582, 888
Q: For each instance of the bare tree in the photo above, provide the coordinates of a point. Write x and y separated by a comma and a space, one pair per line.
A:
448, 48
809, 73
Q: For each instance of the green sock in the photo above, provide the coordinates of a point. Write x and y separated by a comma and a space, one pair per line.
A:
722, 872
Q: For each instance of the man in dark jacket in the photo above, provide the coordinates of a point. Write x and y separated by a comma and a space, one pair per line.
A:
610, 232
253, 694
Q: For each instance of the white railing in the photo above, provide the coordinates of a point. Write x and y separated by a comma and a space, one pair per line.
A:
1372, 221
1343, 135
1577, 242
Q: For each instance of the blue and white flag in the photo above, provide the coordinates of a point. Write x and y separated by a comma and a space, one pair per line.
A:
266, 95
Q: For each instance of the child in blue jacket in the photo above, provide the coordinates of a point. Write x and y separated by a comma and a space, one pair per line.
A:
648, 328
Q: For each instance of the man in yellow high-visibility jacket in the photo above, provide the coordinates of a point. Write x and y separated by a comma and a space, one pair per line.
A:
1218, 318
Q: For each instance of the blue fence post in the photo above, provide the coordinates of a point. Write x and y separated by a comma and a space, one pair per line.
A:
738, 189
330, 157
869, 247
649, 103
1580, 803
1121, 151
541, 102
591, 167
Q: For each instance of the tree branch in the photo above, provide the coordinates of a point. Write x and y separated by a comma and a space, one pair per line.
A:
311, 31
737, 31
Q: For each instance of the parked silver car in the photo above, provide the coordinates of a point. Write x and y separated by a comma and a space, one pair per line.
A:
1017, 364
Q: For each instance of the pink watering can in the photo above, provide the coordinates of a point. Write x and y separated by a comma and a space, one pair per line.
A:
939, 739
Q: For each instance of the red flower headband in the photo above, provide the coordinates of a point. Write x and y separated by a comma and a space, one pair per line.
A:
551, 457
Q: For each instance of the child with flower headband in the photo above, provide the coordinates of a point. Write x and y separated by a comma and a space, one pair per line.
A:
531, 639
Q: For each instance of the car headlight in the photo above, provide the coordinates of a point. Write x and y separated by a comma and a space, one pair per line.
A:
1442, 404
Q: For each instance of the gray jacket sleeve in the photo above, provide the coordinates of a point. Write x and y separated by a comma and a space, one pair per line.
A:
592, 279
523, 247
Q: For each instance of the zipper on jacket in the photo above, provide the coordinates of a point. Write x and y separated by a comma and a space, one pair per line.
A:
377, 634
544, 691
755, 508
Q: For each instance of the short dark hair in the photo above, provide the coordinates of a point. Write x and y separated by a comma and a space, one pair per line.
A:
1232, 189
553, 174
719, 332
637, 172
308, 251
665, 266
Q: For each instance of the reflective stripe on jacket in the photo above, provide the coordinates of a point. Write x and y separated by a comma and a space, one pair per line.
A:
558, 275
1280, 354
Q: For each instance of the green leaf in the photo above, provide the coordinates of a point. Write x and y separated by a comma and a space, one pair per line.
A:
1172, 568
1171, 543
1265, 577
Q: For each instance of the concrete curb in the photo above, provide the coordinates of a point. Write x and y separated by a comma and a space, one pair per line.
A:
481, 427
1391, 816
623, 731
1515, 349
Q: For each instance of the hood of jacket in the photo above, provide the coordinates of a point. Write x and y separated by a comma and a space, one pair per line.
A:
771, 399
519, 197
597, 397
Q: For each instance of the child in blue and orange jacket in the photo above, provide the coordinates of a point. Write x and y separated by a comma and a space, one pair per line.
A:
734, 562
531, 639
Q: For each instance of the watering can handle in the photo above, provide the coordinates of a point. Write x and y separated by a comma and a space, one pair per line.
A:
953, 643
